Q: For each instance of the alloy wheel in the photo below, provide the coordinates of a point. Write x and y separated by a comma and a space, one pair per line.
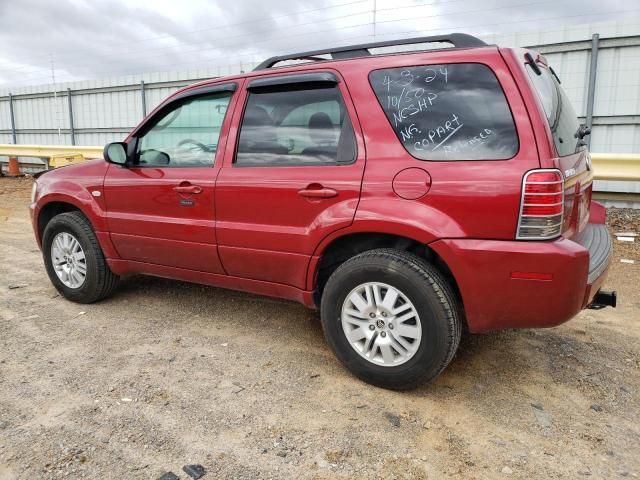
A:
381, 324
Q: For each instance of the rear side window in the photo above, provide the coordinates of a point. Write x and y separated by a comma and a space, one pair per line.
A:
447, 112
299, 126
562, 119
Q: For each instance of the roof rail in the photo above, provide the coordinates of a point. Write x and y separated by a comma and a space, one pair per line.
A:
458, 40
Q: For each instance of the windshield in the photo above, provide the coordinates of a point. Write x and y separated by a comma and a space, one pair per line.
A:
562, 119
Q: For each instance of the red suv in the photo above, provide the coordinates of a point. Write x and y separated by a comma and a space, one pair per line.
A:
406, 195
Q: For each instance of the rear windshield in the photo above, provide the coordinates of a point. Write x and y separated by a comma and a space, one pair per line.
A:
562, 119
447, 112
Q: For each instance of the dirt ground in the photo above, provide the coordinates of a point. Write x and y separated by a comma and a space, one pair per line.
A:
167, 373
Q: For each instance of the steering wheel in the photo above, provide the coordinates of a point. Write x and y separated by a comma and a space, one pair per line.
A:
200, 145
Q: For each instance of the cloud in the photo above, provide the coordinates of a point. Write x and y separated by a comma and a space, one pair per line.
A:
93, 39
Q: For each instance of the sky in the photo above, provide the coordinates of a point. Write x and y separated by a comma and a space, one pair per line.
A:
69, 40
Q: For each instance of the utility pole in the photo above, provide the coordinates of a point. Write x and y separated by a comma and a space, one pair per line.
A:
591, 92
55, 94
375, 11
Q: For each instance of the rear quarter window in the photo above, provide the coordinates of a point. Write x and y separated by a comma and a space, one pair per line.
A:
447, 112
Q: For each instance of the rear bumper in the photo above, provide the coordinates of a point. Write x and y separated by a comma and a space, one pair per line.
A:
515, 284
597, 240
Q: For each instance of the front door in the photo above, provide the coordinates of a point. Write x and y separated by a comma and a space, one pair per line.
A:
292, 176
161, 206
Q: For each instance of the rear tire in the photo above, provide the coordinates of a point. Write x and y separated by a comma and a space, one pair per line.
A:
370, 339
91, 279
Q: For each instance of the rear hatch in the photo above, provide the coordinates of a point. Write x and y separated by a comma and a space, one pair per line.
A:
573, 158
574, 162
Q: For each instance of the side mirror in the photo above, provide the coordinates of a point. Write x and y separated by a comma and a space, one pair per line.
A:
116, 152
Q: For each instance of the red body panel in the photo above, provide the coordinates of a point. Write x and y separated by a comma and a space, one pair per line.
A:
148, 223
266, 229
477, 199
250, 229
74, 186
494, 300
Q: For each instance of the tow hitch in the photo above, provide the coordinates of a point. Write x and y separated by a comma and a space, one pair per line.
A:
603, 299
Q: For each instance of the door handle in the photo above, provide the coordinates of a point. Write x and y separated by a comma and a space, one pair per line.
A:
316, 190
187, 188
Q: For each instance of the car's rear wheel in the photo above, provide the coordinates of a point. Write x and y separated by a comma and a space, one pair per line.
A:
74, 260
391, 318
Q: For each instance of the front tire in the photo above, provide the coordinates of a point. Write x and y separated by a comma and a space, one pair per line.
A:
74, 260
391, 318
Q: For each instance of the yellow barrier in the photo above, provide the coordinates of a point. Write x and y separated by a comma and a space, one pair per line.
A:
606, 166
616, 166
56, 155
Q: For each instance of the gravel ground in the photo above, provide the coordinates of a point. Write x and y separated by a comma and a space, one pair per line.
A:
168, 373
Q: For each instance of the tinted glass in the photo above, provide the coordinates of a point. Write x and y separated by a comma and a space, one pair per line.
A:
187, 135
447, 112
295, 127
562, 119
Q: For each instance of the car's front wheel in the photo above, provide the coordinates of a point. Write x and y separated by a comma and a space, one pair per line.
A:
74, 260
391, 318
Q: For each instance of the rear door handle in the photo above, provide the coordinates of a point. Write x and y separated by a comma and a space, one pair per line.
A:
320, 192
187, 188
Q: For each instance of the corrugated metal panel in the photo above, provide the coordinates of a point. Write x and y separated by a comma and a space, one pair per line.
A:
618, 82
37, 113
106, 109
156, 95
568, 33
99, 138
5, 119
616, 139
128, 80
44, 139
573, 70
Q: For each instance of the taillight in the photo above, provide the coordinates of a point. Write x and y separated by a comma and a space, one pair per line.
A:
541, 206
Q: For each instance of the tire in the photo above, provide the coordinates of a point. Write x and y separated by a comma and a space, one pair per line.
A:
99, 281
436, 319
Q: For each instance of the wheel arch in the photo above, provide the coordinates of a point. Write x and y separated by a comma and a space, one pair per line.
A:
341, 248
99, 281
52, 209
52, 205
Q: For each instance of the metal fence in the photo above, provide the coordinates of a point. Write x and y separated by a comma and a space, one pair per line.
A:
87, 116
92, 112
601, 74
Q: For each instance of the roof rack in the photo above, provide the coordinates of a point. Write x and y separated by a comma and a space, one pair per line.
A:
458, 40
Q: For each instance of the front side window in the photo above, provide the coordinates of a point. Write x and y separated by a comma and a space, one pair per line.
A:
300, 126
561, 117
187, 135
447, 112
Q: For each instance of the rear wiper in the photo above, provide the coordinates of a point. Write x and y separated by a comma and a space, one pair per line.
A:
555, 74
532, 63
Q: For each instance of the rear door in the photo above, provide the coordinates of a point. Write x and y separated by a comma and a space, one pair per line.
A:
161, 206
292, 175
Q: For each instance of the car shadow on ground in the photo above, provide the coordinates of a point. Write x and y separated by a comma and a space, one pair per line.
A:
496, 355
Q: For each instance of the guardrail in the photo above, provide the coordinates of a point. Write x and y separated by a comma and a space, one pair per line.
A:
616, 166
55, 155
606, 166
